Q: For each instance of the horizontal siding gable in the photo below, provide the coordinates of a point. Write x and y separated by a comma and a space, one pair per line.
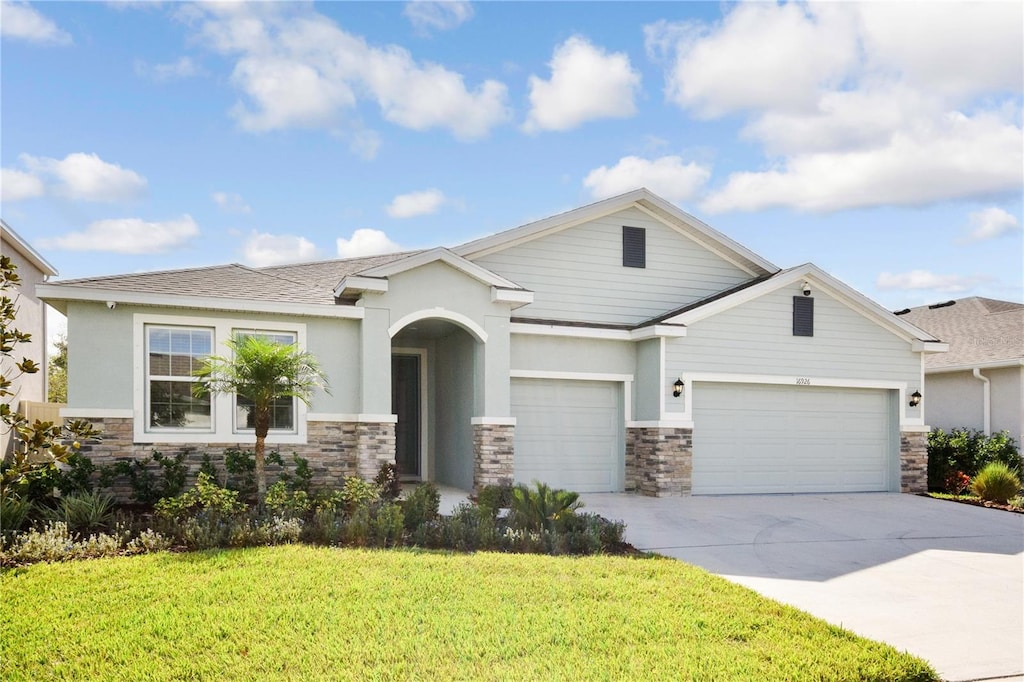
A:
577, 274
757, 338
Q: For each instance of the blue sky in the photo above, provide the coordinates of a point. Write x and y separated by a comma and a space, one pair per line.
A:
881, 141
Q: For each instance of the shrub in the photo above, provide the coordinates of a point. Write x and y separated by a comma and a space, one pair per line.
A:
388, 482
84, 512
205, 496
54, 542
495, 497
301, 476
282, 501
996, 483
356, 493
151, 479
14, 512
967, 451
262, 532
542, 507
469, 529
147, 541
421, 505
377, 524
75, 476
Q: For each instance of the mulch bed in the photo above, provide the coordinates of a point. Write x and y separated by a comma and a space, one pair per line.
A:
978, 503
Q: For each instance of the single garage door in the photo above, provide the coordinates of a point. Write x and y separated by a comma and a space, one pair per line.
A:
569, 434
756, 438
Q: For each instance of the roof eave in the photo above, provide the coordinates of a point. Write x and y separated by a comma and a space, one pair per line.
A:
26, 250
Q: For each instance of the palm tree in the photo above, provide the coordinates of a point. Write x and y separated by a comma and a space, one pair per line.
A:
261, 371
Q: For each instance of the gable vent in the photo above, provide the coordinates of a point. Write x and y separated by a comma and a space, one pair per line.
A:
634, 247
803, 316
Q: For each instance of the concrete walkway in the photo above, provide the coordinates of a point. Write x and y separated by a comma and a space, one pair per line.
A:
941, 580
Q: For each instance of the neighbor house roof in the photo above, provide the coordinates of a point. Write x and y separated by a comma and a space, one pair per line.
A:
980, 332
12, 239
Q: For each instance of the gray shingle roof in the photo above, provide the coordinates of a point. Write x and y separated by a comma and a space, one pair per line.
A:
298, 283
978, 330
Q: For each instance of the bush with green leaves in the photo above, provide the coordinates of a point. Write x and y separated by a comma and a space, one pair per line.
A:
152, 478
54, 541
356, 493
541, 507
967, 451
388, 482
205, 497
421, 505
83, 512
495, 497
996, 483
377, 524
469, 529
14, 514
285, 502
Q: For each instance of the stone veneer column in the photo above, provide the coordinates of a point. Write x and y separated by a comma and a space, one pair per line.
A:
913, 461
375, 445
659, 461
493, 452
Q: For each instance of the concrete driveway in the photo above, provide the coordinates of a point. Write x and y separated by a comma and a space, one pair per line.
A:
941, 580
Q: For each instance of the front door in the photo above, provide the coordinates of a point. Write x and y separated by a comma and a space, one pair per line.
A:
405, 402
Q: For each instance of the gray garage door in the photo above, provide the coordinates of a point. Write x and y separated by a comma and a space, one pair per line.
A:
569, 434
754, 438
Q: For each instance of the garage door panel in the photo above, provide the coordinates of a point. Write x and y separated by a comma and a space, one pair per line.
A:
756, 438
569, 434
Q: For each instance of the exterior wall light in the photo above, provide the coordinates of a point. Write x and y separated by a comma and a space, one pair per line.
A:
915, 398
677, 388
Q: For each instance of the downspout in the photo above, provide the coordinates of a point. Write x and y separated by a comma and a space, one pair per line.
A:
986, 400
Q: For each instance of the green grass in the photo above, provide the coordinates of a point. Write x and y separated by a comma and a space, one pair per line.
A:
305, 613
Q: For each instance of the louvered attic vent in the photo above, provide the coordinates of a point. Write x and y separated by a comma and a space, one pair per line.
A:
803, 316
634, 247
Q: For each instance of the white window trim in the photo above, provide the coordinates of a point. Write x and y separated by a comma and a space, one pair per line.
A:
234, 398
148, 377
223, 403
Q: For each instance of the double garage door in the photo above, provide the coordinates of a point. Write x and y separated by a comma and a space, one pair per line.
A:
569, 434
757, 438
747, 438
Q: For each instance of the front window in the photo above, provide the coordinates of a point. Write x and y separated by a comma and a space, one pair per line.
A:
172, 355
282, 410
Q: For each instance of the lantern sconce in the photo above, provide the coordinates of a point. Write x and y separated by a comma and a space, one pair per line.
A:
677, 388
915, 398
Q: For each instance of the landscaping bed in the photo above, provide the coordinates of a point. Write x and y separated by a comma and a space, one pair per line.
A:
298, 612
1016, 505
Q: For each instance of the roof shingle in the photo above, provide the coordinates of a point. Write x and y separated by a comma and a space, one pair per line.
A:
978, 330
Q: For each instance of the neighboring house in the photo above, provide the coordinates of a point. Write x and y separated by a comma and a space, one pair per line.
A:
553, 351
979, 383
30, 318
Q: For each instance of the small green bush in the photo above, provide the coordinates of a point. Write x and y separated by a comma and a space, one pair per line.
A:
996, 483
84, 512
356, 493
469, 529
967, 451
388, 482
282, 501
14, 512
541, 507
421, 505
377, 524
55, 542
205, 496
495, 497
151, 479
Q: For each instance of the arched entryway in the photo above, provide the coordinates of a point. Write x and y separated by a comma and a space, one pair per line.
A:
435, 386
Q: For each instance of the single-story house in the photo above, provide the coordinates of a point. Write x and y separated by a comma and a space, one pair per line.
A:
979, 383
624, 345
30, 317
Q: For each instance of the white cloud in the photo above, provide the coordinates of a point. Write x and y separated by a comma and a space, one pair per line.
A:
87, 177
923, 279
416, 204
128, 236
230, 203
858, 104
16, 185
299, 68
366, 242
183, 67
586, 83
20, 21
958, 157
263, 249
990, 223
667, 176
365, 144
437, 15
761, 55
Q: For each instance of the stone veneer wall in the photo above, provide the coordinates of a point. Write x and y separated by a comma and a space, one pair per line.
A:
493, 454
659, 461
334, 450
913, 462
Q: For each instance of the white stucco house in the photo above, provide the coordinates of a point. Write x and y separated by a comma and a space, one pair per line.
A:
33, 269
621, 346
979, 383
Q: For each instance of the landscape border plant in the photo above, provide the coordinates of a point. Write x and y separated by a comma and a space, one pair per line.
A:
967, 451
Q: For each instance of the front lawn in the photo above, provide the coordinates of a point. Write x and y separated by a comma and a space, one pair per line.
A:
305, 613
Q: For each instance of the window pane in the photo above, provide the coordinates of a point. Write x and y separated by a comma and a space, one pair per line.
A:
181, 365
201, 343
159, 340
181, 341
159, 364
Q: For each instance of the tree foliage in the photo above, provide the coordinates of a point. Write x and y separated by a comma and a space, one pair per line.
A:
39, 445
262, 371
57, 372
